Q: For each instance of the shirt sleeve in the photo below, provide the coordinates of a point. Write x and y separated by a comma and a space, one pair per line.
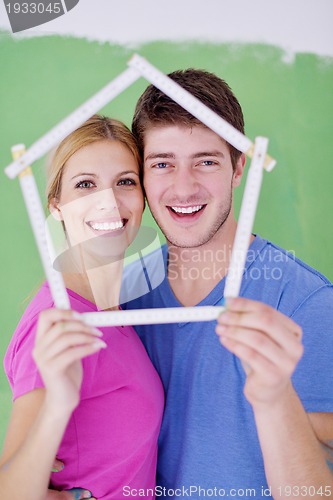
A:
313, 378
21, 369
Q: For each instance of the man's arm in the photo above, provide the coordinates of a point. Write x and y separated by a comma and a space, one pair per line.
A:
269, 345
295, 461
322, 424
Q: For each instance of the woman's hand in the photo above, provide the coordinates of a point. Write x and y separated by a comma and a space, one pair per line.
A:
62, 340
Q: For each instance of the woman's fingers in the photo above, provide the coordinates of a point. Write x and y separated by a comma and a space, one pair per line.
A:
67, 330
60, 362
69, 341
61, 331
49, 317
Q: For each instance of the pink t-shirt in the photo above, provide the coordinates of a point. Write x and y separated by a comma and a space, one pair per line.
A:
111, 440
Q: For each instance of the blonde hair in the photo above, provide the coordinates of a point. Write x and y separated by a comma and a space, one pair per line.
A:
97, 128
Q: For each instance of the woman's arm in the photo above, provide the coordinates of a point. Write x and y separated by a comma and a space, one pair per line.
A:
40, 417
31, 444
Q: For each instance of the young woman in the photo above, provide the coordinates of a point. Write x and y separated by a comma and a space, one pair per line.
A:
102, 415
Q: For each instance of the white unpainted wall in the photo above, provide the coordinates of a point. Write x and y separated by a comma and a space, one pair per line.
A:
294, 25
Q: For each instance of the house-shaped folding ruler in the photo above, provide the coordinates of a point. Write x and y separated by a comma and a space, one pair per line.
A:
21, 166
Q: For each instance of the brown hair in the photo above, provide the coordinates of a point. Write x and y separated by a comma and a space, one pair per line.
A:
97, 128
154, 108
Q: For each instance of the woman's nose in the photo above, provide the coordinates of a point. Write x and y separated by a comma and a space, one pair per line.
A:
106, 200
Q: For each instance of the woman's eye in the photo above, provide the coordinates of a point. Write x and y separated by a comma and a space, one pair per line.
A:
127, 182
84, 185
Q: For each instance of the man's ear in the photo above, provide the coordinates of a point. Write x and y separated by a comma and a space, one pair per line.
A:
239, 170
55, 209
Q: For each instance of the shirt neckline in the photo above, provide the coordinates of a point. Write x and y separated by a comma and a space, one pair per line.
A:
215, 295
77, 297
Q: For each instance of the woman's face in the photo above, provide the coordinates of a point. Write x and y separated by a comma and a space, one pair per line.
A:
101, 200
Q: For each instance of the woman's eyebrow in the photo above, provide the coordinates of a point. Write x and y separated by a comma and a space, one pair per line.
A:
88, 174
129, 172
84, 173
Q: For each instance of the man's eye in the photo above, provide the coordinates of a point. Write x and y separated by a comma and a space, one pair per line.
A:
161, 164
209, 162
84, 185
127, 182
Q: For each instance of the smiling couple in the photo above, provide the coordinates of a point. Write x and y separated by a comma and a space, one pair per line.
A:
244, 403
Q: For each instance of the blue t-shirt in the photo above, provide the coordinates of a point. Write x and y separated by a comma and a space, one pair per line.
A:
208, 438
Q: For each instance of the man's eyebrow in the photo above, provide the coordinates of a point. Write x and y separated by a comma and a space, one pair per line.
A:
199, 154
214, 152
156, 156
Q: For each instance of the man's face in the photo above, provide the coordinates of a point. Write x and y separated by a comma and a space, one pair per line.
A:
188, 178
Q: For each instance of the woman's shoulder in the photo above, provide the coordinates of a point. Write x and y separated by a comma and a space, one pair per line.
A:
41, 301
18, 355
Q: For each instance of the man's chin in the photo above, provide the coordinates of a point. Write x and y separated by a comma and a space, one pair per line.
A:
187, 242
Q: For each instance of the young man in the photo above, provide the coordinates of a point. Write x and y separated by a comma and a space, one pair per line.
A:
235, 423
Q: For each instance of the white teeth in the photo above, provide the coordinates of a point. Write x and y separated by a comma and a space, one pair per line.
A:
187, 210
107, 226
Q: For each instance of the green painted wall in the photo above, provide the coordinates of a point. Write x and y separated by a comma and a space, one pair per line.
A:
44, 79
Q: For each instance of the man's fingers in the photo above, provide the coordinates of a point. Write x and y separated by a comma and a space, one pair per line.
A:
264, 318
74, 494
57, 465
243, 305
261, 344
79, 494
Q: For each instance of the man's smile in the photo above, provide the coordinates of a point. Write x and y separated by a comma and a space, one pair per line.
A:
186, 213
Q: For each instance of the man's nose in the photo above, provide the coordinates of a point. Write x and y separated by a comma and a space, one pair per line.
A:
184, 184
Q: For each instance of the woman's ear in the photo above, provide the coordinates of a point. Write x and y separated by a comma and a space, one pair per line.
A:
55, 209
239, 170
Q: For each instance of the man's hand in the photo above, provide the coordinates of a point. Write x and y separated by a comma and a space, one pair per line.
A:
74, 494
267, 342
57, 465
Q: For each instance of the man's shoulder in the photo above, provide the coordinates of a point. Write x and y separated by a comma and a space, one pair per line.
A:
287, 262
279, 278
